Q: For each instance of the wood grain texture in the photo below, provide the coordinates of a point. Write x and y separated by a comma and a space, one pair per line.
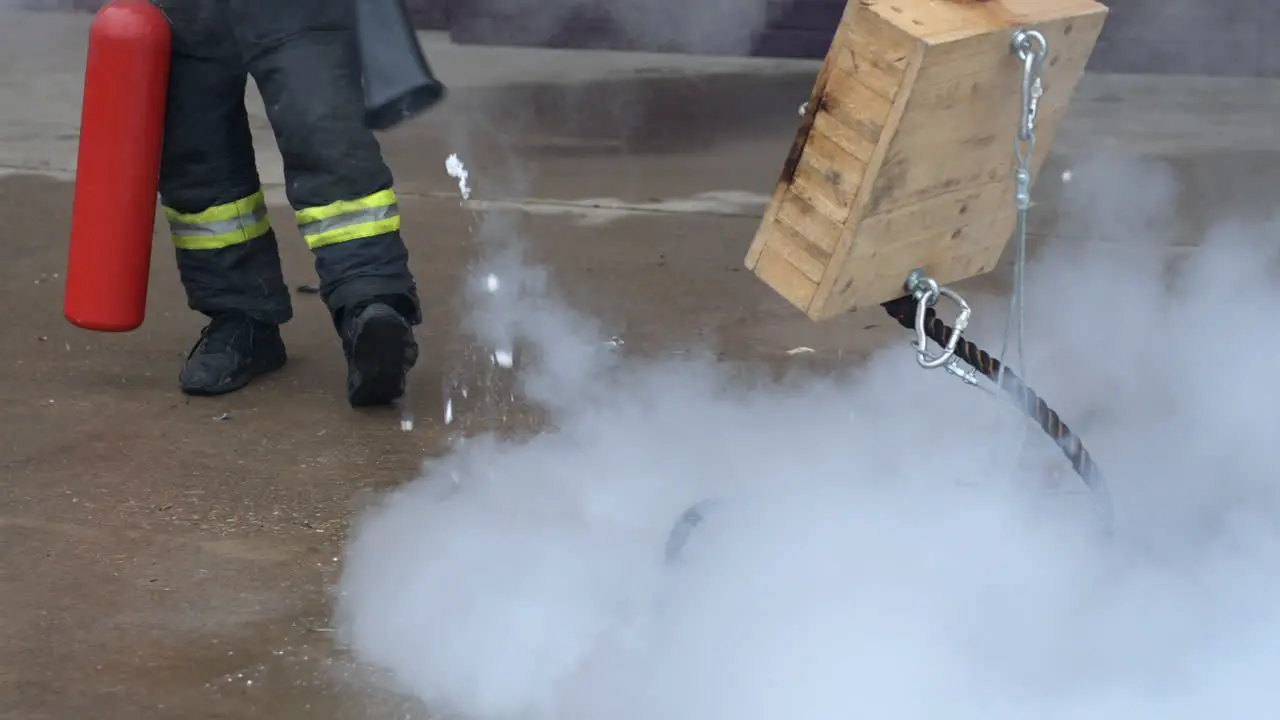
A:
904, 158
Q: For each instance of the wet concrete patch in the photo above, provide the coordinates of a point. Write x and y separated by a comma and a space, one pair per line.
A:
168, 557
163, 557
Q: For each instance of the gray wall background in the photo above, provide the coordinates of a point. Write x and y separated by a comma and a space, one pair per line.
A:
1186, 37
1191, 37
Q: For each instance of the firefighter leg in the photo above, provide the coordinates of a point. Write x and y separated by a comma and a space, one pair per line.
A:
217, 217
303, 57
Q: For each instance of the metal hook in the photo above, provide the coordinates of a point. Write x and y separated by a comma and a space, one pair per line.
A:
1031, 47
1030, 43
927, 292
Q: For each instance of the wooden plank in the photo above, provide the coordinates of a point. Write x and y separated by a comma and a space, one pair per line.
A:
802, 217
828, 176
765, 234
953, 230
908, 146
889, 44
783, 276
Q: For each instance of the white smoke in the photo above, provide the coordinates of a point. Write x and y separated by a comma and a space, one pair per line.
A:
871, 560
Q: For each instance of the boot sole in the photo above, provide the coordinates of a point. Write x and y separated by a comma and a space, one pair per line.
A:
382, 353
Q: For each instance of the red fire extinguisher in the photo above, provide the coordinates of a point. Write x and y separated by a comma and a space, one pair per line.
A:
118, 167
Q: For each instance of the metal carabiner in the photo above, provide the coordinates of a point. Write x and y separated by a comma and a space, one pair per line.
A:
1031, 47
927, 292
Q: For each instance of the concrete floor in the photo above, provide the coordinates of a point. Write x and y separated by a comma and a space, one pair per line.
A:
162, 557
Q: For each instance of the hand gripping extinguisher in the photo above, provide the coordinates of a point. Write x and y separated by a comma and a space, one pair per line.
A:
118, 167
398, 83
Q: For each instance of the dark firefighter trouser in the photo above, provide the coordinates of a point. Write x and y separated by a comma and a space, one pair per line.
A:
302, 56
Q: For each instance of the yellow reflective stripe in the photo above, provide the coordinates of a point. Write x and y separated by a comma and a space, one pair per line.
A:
243, 206
353, 232
223, 240
346, 220
220, 226
343, 207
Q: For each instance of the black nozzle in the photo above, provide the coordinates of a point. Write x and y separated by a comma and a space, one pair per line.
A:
398, 83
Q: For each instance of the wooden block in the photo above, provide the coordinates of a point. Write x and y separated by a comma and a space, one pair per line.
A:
905, 156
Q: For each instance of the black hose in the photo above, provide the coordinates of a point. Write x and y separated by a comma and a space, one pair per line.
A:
1032, 405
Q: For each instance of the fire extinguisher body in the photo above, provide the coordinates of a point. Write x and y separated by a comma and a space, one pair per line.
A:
118, 167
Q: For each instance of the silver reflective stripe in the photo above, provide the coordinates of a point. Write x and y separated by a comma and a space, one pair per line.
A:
215, 228
355, 217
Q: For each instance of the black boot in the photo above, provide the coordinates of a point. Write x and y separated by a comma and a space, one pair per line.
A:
233, 349
380, 350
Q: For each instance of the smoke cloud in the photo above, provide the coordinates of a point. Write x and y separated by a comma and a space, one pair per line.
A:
875, 554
